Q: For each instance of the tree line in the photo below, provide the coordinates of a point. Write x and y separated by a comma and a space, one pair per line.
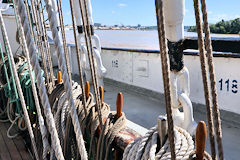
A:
223, 27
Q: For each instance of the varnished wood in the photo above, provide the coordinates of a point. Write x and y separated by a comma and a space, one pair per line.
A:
87, 89
201, 138
59, 77
119, 104
101, 90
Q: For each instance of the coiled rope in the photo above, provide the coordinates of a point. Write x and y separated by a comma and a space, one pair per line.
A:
147, 146
42, 126
66, 82
40, 82
26, 116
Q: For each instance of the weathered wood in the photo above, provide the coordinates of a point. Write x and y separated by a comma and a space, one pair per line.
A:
124, 137
10, 144
162, 129
4, 153
20, 145
12, 149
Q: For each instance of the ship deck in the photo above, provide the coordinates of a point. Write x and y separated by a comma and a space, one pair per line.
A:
12, 149
140, 109
144, 108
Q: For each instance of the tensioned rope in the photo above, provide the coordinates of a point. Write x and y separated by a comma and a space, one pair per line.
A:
59, 5
42, 126
26, 116
217, 121
78, 57
165, 73
66, 82
39, 40
45, 39
89, 46
205, 78
40, 82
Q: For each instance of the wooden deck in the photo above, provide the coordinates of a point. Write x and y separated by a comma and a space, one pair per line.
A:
12, 149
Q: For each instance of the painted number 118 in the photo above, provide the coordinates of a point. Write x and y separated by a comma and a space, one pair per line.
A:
231, 86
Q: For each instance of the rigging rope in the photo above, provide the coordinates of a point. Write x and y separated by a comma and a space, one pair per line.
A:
59, 4
88, 41
26, 116
40, 82
66, 82
217, 120
205, 78
42, 126
212, 78
45, 39
78, 57
165, 72
39, 40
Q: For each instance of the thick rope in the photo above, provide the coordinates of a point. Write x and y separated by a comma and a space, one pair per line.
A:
42, 126
201, 48
61, 60
146, 146
217, 120
165, 72
26, 116
40, 82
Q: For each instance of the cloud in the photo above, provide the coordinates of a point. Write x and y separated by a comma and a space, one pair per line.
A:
209, 12
122, 5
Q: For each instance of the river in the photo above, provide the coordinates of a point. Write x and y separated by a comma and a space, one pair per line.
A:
136, 39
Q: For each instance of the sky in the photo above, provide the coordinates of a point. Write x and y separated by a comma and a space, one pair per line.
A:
134, 12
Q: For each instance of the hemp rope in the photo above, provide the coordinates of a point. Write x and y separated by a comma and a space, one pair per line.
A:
42, 126
40, 83
30, 20
88, 41
217, 120
66, 82
45, 37
59, 4
146, 146
165, 72
205, 78
78, 57
39, 40
26, 116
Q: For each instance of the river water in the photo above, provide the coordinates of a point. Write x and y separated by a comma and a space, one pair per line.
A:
135, 39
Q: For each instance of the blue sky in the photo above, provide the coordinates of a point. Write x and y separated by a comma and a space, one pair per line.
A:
133, 12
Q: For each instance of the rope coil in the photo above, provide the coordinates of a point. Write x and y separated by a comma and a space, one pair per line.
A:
147, 147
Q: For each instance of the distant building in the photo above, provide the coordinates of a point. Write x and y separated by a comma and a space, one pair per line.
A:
97, 24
